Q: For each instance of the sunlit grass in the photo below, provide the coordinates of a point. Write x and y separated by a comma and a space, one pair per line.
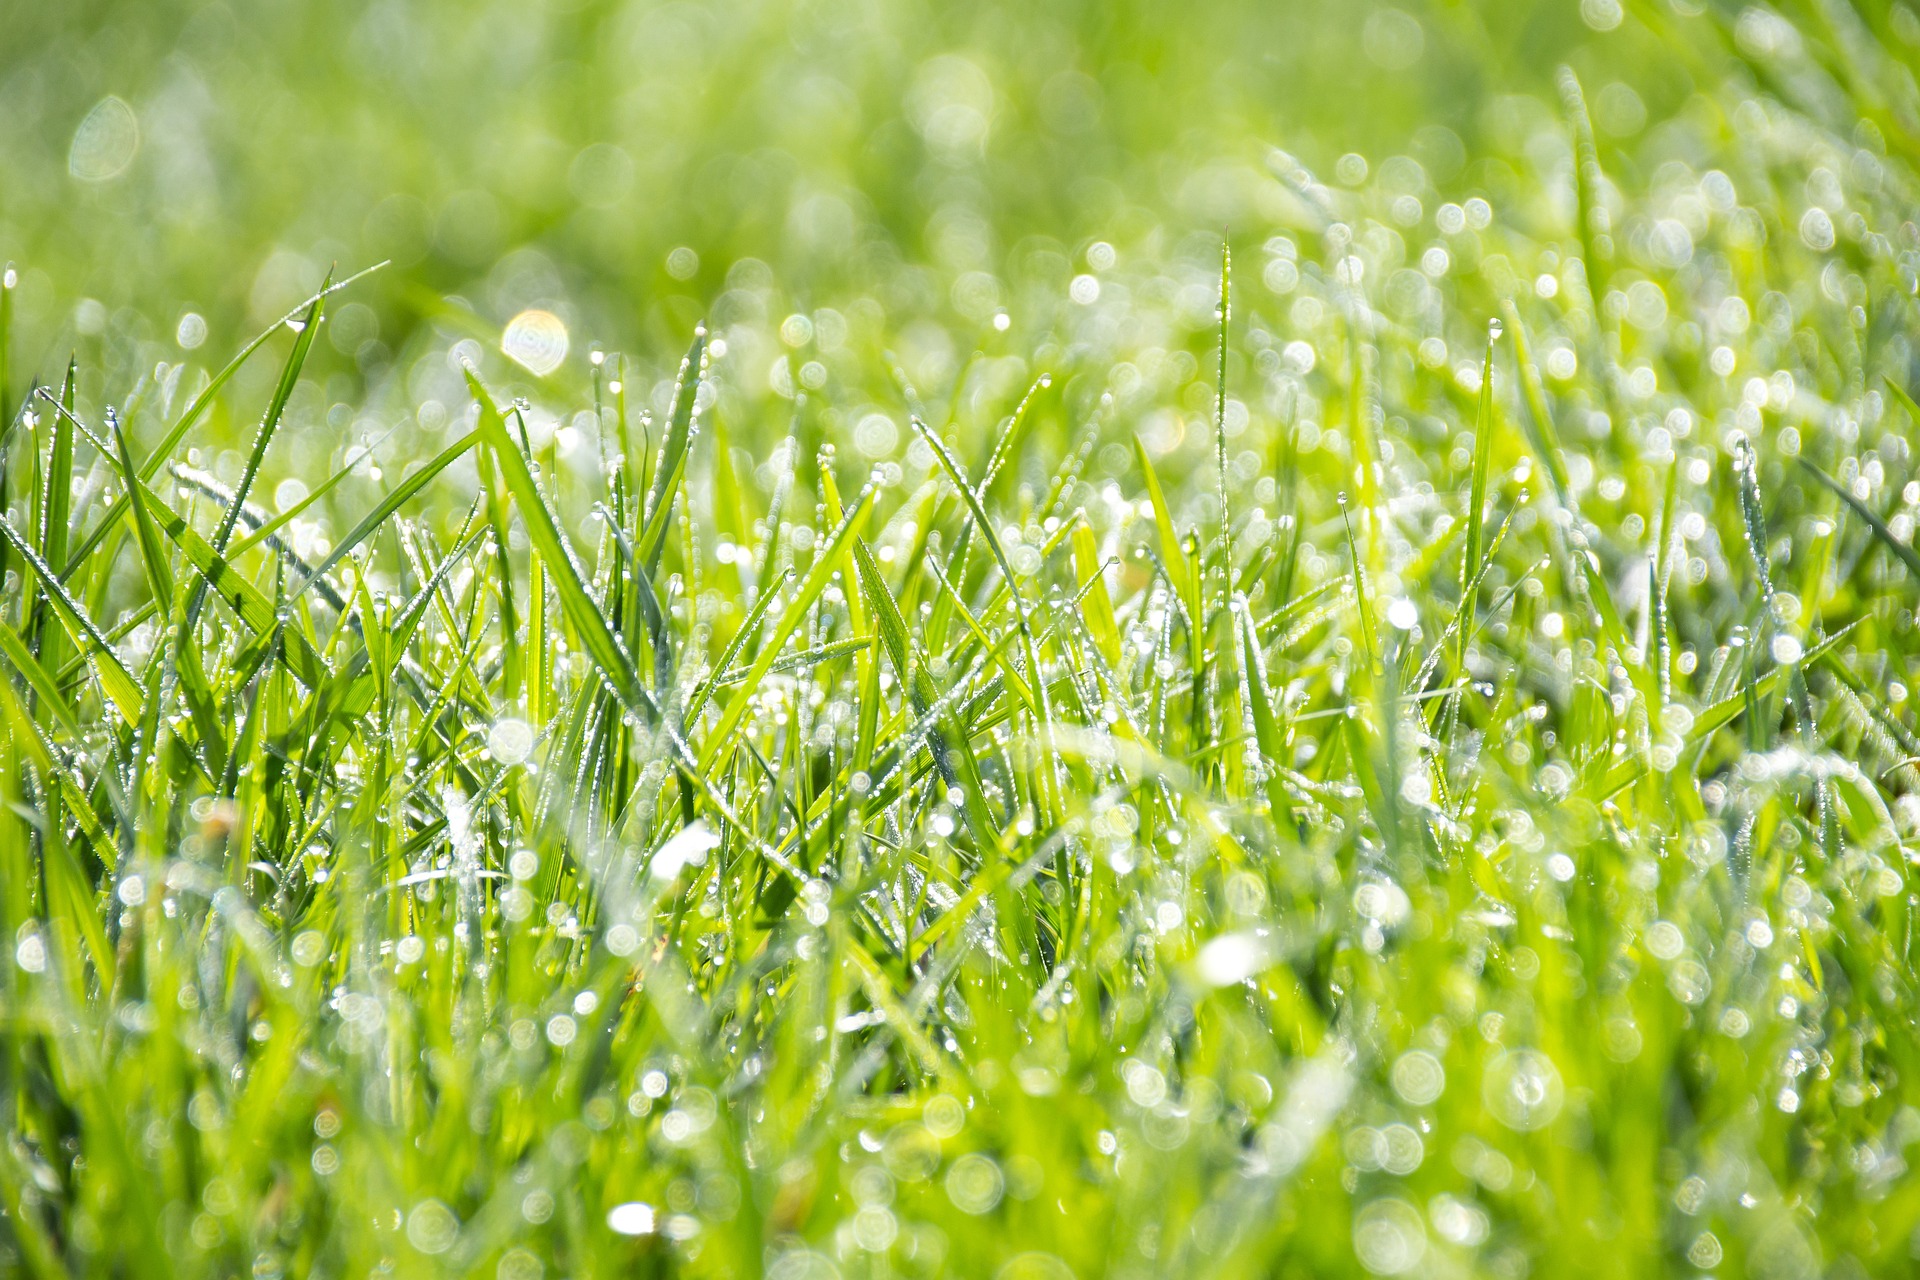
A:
1381, 746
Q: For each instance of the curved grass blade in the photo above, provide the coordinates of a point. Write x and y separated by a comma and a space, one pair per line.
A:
153, 553
1722, 713
1173, 559
800, 661
741, 637
254, 519
269, 423
217, 573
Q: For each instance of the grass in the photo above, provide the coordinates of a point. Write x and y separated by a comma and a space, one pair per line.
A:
1384, 746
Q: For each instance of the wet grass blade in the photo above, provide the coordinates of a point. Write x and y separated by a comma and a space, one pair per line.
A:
596, 633
1545, 438
308, 330
377, 519
721, 737
56, 506
1595, 240
121, 688
217, 574
153, 554
673, 456
1902, 551
163, 451
1470, 557
1173, 558
1091, 572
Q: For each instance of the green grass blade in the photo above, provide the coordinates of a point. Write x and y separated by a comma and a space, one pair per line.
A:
797, 608
217, 573
153, 554
44, 687
1470, 563
308, 330
119, 684
376, 519
673, 455
56, 507
1173, 558
596, 633
163, 451
1902, 551
1590, 208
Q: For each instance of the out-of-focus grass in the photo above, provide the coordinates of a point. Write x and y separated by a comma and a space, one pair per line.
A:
507, 150
1012, 750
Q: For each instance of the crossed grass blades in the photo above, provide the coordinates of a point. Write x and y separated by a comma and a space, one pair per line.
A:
1453, 822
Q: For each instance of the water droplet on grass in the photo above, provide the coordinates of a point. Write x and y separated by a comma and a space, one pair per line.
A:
105, 142
1418, 1077
1523, 1090
633, 1218
536, 340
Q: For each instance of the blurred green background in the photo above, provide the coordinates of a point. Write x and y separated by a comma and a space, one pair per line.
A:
626, 165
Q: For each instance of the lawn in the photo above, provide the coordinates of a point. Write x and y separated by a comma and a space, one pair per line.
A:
882, 640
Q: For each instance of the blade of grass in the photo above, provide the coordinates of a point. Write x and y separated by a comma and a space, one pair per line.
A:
115, 680
816, 582
308, 330
376, 519
1903, 552
184, 423
673, 455
153, 553
596, 633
